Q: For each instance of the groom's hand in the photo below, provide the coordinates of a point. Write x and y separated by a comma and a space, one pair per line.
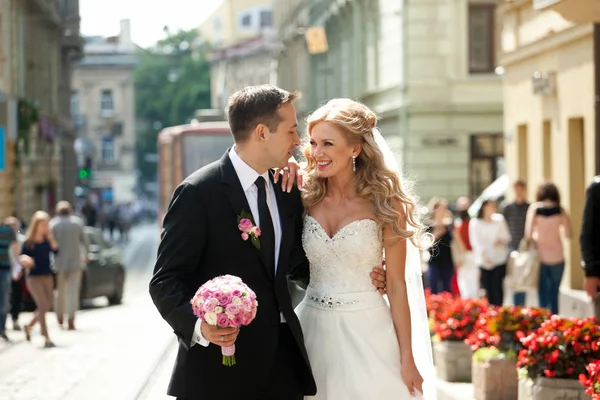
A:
290, 174
219, 336
378, 278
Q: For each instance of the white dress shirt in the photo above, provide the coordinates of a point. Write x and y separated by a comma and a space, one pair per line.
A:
484, 235
247, 177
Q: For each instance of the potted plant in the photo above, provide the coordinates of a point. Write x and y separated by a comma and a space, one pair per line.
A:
453, 320
496, 342
556, 354
591, 380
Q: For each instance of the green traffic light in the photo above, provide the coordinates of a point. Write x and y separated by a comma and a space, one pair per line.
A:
83, 174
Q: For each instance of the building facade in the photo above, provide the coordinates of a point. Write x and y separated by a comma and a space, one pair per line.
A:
40, 39
103, 108
547, 53
426, 68
240, 34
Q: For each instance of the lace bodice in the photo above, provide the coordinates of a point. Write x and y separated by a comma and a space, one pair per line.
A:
342, 263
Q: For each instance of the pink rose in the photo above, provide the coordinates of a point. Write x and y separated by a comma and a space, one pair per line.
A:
238, 320
225, 299
236, 293
247, 319
255, 231
245, 236
209, 305
245, 225
232, 309
223, 320
246, 304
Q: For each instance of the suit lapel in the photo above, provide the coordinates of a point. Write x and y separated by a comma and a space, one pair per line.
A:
237, 198
286, 220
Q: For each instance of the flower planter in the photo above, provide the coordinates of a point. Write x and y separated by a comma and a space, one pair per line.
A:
558, 389
525, 389
453, 361
495, 379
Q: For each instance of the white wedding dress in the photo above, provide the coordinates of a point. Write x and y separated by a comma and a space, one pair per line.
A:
348, 328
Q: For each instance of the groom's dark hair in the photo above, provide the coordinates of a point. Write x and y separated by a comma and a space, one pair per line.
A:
255, 105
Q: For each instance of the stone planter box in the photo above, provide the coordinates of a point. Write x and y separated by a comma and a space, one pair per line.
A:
525, 388
495, 379
453, 361
558, 389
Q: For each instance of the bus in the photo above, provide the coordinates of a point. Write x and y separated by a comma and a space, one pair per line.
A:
185, 148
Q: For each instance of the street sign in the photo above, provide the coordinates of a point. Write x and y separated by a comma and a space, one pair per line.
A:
316, 40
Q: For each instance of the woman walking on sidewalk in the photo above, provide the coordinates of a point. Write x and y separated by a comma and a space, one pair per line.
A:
39, 243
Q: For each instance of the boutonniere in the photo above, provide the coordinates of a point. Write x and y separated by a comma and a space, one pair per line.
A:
249, 229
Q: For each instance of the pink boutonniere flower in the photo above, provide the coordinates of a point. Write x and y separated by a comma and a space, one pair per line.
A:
249, 229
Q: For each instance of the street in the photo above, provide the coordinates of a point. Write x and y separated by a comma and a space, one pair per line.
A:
113, 353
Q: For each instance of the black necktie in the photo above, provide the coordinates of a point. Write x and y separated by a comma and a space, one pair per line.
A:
267, 232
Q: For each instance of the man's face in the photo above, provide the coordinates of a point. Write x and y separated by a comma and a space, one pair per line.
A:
519, 192
281, 143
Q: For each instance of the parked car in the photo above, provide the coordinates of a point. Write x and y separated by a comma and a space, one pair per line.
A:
103, 276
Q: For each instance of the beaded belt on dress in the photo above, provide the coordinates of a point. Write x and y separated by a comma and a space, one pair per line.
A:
343, 301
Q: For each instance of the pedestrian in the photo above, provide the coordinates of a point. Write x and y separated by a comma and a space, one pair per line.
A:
69, 261
441, 266
39, 243
489, 238
546, 220
468, 272
589, 239
8, 243
514, 214
18, 278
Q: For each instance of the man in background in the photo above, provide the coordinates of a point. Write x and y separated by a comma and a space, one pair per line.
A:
515, 214
8, 243
69, 261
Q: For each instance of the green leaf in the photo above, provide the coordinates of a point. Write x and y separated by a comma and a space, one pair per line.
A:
255, 241
245, 214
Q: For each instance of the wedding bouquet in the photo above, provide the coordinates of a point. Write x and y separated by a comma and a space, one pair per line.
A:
225, 301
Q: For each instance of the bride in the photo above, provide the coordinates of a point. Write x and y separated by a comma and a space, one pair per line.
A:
359, 345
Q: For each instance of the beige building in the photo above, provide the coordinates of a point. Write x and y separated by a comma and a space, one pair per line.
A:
426, 68
103, 106
39, 41
547, 55
240, 32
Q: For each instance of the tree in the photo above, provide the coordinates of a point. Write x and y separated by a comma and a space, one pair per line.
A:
172, 80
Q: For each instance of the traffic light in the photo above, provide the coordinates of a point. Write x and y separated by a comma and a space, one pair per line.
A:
85, 173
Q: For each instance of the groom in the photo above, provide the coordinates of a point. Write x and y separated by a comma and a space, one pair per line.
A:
201, 240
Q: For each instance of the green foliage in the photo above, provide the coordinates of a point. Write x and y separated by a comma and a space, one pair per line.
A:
172, 80
485, 353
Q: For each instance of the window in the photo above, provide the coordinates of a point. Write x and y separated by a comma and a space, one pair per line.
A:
266, 19
108, 150
64, 8
487, 158
481, 38
247, 20
106, 100
75, 104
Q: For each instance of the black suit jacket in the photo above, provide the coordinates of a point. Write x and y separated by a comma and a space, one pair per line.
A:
200, 240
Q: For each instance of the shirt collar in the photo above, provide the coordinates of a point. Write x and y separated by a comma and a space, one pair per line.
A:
246, 174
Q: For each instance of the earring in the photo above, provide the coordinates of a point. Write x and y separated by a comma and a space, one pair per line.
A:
353, 163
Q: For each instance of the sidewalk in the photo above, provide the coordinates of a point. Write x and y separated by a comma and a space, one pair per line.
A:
158, 382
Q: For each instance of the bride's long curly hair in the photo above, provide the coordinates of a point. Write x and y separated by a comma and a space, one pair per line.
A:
374, 181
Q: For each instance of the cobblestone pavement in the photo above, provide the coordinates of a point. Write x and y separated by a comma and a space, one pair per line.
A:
110, 356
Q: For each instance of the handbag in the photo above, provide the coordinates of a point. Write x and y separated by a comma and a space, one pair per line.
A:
523, 268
